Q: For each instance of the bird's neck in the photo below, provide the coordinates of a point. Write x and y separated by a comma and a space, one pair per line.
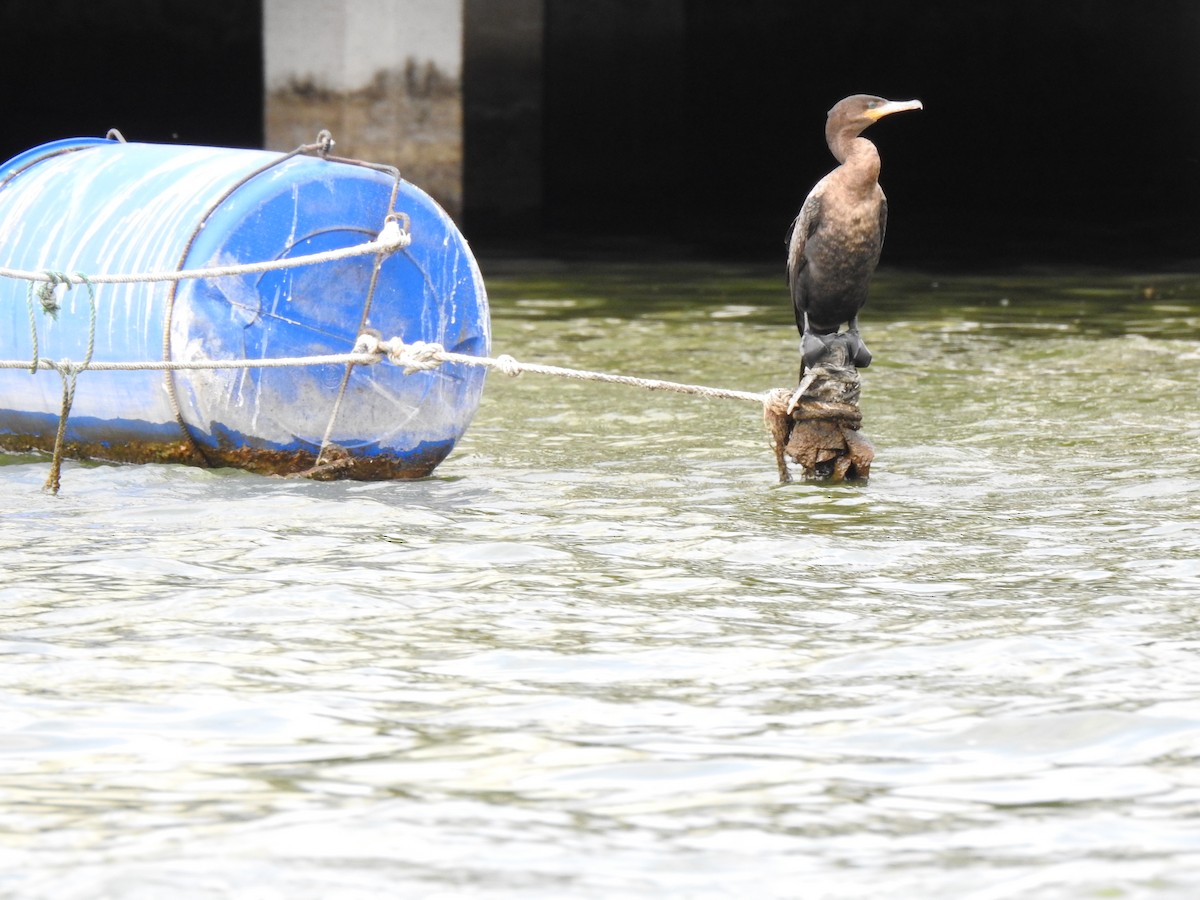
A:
859, 161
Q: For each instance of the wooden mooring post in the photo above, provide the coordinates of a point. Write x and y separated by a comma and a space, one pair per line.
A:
817, 424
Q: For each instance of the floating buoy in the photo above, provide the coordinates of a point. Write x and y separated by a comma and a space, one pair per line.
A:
80, 209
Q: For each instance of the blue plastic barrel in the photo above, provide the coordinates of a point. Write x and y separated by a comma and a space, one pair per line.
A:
106, 207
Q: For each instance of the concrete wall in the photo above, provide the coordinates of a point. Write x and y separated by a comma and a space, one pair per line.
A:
384, 76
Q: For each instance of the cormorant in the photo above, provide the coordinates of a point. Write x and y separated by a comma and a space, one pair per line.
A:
835, 241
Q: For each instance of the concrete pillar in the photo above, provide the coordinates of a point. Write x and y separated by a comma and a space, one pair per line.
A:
384, 76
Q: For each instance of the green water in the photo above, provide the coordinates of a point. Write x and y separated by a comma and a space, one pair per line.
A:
602, 653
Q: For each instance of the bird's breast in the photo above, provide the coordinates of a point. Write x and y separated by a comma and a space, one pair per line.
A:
841, 256
847, 240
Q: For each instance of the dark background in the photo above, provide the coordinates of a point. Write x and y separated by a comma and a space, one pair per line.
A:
1061, 132
186, 71
1064, 131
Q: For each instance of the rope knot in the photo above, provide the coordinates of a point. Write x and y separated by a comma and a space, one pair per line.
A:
46, 295
368, 342
508, 365
395, 234
419, 356
66, 367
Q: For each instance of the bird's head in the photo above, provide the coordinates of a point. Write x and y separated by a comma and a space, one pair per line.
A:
857, 112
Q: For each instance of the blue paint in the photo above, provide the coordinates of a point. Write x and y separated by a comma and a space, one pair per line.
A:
104, 207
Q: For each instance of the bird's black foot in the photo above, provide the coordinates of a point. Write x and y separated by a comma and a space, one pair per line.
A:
859, 354
814, 347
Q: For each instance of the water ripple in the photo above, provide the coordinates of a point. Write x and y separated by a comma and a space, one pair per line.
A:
601, 653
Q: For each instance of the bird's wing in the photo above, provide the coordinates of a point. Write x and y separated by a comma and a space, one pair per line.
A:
803, 226
882, 217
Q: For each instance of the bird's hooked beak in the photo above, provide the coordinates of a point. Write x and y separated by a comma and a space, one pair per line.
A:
892, 106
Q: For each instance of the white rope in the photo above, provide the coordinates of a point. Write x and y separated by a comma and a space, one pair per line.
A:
809, 377
159, 365
390, 239
368, 350
418, 356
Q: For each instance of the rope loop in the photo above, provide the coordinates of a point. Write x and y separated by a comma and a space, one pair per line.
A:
91, 341
69, 373
33, 334
48, 299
